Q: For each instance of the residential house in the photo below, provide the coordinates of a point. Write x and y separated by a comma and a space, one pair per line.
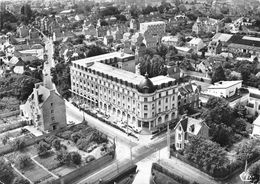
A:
89, 29
188, 127
23, 31
215, 47
188, 97
256, 126
108, 40
204, 67
206, 25
45, 109
196, 44
170, 40
253, 104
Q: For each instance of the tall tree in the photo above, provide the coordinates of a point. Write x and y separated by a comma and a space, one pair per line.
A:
218, 74
6, 174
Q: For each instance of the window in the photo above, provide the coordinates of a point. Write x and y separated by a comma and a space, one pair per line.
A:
179, 136
145, 107
52, 118
152, 106
166, 108
166, 100
145, 99
160, 95
52, 111
159, 102
145, 115
51, 104
159, 110
179, 128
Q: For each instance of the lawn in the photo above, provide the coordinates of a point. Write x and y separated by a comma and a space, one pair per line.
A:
36, 174
48, 161
161, 178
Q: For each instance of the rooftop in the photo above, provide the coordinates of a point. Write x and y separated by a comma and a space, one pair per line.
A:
152, 23
118, 55
195, 41
245, 40
224, 84
222, 37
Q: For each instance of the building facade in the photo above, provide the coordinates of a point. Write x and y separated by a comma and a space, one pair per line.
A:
224, 89
187, 127
153, 28
141, 102
45, 109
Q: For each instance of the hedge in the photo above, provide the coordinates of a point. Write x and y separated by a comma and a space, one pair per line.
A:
176, 177
218, 174
12, 126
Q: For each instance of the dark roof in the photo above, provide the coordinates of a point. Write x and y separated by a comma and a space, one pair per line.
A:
184, 124
146, 85
237, 39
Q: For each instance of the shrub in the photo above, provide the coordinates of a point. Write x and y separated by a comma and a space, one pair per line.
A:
65, 134
75, 137
20, 180
43, 148
50, 139
18, 144
23, 161
83, 144
75, 158
56, 144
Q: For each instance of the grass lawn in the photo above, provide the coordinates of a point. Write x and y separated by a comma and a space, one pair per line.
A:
35, 173
49, 161
63, 170
161, 178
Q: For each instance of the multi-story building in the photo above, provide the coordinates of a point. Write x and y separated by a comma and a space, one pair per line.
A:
145, 103
224, 89
45, 109
207, 25
188, 96
153, 28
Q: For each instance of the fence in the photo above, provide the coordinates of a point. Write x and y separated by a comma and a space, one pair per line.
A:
83, 171
8, 114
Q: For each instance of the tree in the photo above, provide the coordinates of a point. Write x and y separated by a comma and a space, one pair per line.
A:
254, 172
18, 144
27, 13
108, 11
63, 157
218, 74
56, 144
6, 174
75, 158
247, 149
5, 139
207, 154
181, 40
43, 148
20, 180
162, 50
23, 161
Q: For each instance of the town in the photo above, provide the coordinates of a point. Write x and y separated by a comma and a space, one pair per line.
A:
129, 92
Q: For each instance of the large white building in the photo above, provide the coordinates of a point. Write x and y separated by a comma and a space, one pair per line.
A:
142, 102
224, 89
153, 28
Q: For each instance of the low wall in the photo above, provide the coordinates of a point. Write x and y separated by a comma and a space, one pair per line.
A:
9, 114
84, 170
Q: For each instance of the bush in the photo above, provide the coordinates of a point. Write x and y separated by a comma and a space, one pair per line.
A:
83, 144
23, 161
43, 148
7, 173
66, 134
18, 144
56, 144
75, 137
50, 139
75, 158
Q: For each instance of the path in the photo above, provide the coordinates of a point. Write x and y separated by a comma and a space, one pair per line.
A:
55, 176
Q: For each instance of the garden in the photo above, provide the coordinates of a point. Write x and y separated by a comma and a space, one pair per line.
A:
228, 147
57, 155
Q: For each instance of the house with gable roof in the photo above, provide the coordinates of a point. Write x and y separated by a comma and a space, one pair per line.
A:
188, 127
